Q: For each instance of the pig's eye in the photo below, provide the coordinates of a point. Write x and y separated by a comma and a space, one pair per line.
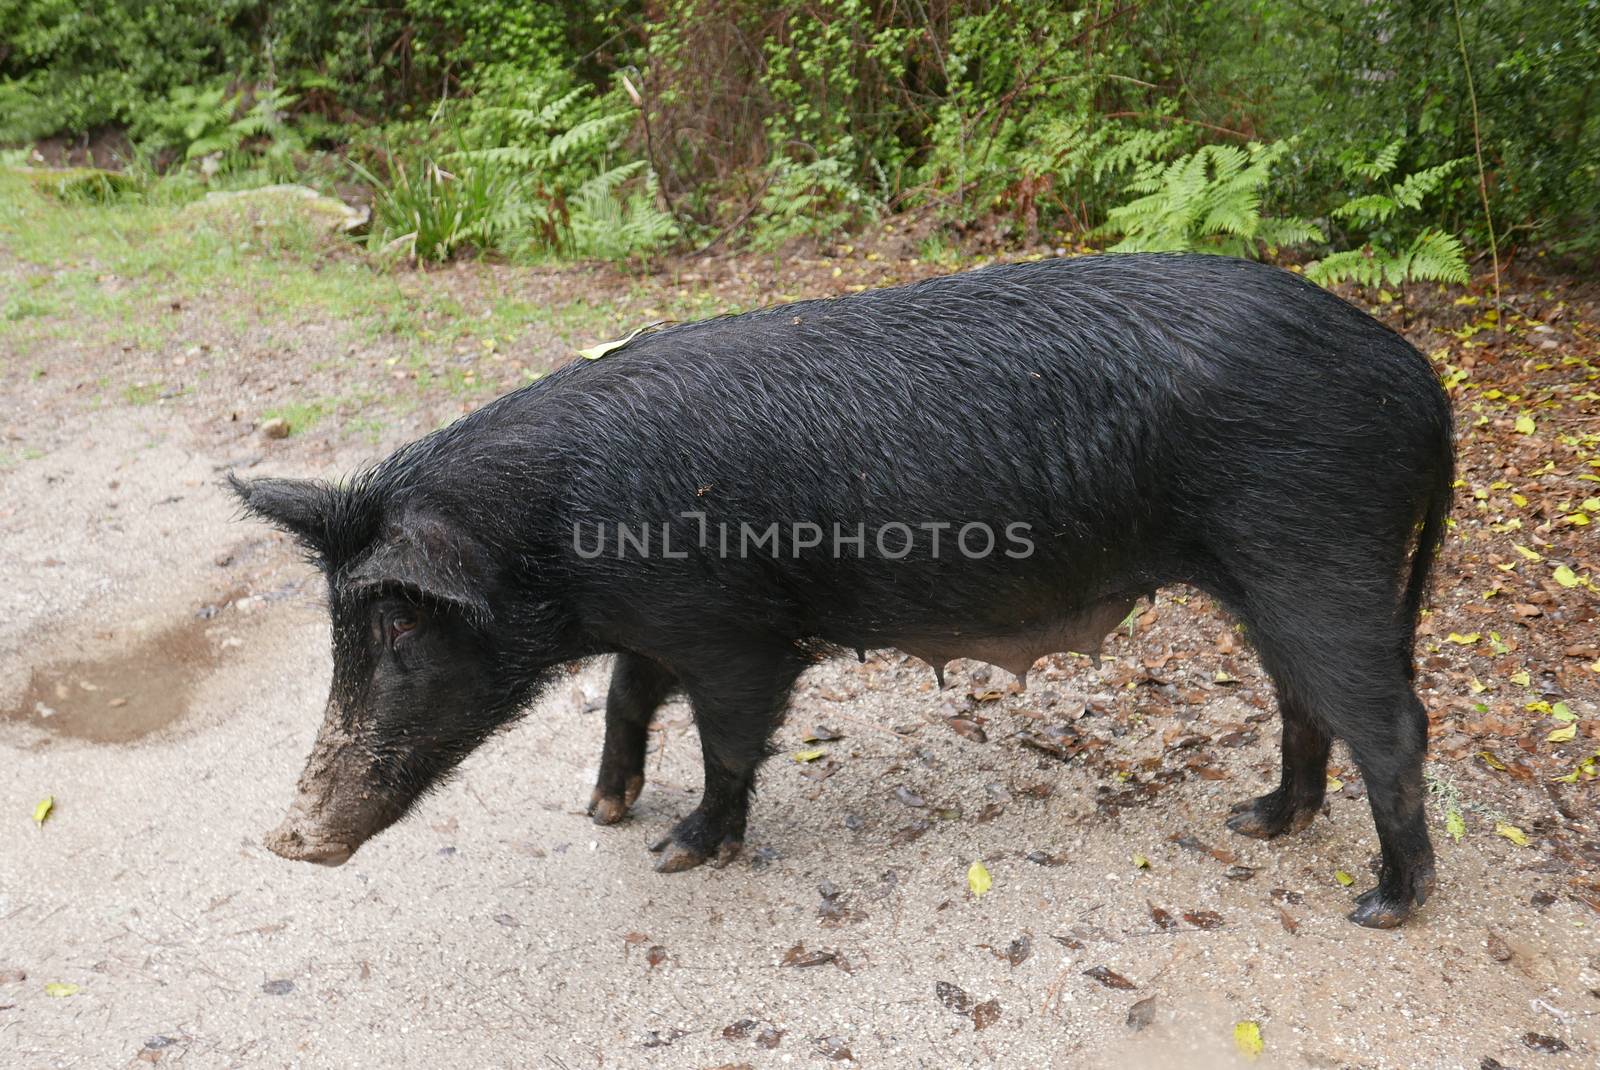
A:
401, 624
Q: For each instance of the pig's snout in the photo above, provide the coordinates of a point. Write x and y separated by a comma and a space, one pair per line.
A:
300, 843
336, 808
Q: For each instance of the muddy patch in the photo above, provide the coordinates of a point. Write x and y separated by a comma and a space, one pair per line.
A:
125, 695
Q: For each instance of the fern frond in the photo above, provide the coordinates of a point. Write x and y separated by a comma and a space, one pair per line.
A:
1419, 184
1435, 256
1378, 166
1367, 209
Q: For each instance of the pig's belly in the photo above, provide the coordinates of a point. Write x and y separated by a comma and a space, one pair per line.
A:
1016, 650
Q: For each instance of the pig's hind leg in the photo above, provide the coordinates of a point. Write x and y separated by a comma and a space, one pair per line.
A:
1340, 659
736, 707
1297, 799
638, 687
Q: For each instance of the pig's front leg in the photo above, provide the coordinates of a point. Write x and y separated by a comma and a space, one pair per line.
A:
638, 686
735, 714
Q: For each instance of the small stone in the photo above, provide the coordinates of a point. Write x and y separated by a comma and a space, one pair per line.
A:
1547, 1044
835, 1048
277, 988
277, 427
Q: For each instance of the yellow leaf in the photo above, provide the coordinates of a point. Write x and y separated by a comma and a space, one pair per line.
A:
1592, 504
1525, 425
808, 755
1464, 640
978, 879
1578, 520
595, 352
1247, 1038
1141, 862
1334, 783
42, 811
1223, 678
1562, 712
60, 990
1518, 500
1564, 734
1531, 555
1565, 576
1343, 878
1511, 832
1520, 678
1489, 758
1454, 825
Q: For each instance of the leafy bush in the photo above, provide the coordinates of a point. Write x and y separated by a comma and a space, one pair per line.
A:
790, 117
428, 214
814, 199
578, 188
539, 167
1209, 200
210, 125
1388, 255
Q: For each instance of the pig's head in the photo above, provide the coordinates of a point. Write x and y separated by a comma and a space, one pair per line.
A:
418, 681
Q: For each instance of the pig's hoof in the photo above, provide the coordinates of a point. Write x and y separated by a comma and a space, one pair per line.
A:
726, 853
607, 809
1377, 911
1270, 816
1384, 907
676, 857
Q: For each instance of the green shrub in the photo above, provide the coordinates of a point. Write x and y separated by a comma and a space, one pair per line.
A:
428, 215
540, 166
579, 186
1390, 252
1208, 200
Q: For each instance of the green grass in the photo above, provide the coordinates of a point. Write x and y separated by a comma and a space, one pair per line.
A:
361, 410
304, 415
119, 264
143, 393
106, 272
10, 459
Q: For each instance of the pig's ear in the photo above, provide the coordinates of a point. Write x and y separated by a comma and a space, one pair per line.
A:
432, 557
302, 507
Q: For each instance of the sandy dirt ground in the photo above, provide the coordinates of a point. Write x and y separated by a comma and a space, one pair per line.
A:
164, 667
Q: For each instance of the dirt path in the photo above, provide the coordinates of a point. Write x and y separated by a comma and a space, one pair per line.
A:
181, 657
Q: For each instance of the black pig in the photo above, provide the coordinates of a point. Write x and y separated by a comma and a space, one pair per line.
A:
991, 465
